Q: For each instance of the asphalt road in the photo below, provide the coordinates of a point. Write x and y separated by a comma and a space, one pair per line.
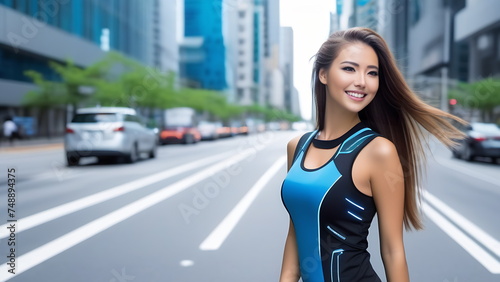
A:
212, 212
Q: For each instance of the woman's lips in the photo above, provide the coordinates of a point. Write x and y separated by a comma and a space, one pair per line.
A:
357, 96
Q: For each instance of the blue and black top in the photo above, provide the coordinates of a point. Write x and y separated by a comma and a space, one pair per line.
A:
331, 216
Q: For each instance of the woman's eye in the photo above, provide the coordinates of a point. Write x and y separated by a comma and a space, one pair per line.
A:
348, 68
373, 73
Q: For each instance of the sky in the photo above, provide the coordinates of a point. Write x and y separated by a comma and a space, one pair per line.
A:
310, 21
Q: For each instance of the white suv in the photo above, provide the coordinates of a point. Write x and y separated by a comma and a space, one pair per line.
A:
108, 132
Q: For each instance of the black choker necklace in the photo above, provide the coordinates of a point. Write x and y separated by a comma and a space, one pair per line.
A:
330, 144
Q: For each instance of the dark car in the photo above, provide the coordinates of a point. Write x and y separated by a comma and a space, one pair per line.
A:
483, 140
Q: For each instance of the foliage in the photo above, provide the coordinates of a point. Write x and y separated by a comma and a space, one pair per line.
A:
271, 114
483, 95
119, 81
48, 95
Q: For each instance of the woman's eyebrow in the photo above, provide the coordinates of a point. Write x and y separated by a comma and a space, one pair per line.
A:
357, 65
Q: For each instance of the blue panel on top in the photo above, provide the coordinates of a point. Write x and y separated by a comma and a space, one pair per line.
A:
303, 205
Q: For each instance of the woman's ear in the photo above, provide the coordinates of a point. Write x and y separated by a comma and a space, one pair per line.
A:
322, 76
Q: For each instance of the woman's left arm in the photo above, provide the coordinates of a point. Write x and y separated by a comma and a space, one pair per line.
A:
387, 185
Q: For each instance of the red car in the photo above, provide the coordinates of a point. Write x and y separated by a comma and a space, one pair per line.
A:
180, 134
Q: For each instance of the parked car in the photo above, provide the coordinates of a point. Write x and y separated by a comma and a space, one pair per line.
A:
105, 132
180, 126
235, 127
483, 140
180, 134
208, 130
224, 130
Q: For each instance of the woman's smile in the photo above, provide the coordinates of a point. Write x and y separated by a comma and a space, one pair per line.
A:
356, 95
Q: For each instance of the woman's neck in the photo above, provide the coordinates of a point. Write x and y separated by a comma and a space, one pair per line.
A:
337, 122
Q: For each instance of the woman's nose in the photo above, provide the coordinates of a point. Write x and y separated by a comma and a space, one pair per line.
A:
360, 81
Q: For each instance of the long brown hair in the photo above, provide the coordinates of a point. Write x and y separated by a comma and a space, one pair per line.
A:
396, 112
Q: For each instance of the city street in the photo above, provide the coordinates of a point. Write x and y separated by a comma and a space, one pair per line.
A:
212, 211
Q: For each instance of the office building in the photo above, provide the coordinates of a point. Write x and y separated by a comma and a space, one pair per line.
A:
203, 56
33, 33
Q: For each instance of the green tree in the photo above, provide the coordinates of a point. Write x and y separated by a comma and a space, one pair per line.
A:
482, 95
207, 101
116, 80
67, 91
48, 95
134, 85
75, 79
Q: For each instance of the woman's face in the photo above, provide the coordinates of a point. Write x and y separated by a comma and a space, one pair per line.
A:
353, 77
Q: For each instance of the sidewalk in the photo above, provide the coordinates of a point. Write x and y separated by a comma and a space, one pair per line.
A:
34, 144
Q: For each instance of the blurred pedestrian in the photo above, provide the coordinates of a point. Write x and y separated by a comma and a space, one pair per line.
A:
364, 159
10, 130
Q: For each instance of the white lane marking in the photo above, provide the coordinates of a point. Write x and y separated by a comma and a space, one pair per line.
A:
462, 222
220, 233
483, 257
186, 263
94, 199
61, 244
467, 171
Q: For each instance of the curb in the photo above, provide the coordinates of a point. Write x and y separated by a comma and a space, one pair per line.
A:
31, 148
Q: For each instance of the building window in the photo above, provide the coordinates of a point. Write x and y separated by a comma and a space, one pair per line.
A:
240, 93
241, 28
498, 46
256, 75
241, 14
241, 41
415, 11
241, 64
15, 64
241, 77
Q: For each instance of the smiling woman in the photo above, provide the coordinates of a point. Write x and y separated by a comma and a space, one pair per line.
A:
353, 76
363, 159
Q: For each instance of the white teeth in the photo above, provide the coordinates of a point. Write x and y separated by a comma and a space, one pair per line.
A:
357, 95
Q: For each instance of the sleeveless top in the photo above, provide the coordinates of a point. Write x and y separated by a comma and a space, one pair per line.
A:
330, 215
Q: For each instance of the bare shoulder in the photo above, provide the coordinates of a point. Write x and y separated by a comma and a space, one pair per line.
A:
385, 169
290, 149
382, 149
292, 144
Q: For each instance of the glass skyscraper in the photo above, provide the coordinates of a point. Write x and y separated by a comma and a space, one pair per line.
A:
203, 19
124, 23
34, 32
